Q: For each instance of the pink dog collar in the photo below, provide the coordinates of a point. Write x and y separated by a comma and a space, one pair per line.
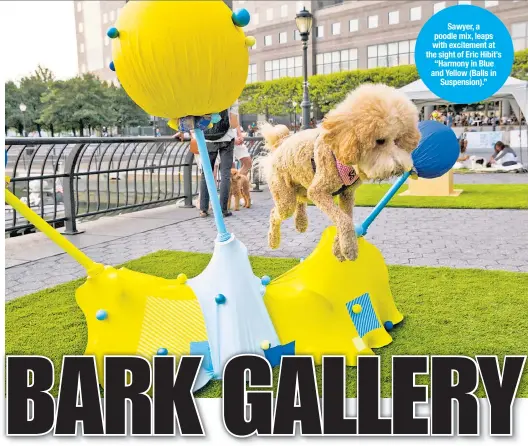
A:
347, 174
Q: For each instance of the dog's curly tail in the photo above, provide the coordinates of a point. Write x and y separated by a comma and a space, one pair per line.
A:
273, 135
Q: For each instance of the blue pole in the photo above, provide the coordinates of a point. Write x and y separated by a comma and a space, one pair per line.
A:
223, 235
361, 229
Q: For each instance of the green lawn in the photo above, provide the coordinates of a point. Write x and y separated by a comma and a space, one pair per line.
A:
475, 196
447, 311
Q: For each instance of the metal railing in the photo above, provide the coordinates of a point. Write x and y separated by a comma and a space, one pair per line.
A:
65, 180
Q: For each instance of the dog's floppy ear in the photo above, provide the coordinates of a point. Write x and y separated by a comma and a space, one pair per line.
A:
339, 134
409, 140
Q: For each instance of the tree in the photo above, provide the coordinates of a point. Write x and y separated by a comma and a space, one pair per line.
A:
326, 90
125, 111
272, 97
78, 103
32, 89
55, 114
13, 115
520, 65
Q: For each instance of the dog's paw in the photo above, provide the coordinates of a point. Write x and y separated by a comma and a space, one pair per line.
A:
273, 240
301, 223
349, 247
337, 250
301, 218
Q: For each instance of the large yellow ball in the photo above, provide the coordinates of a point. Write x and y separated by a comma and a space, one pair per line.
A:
180, 58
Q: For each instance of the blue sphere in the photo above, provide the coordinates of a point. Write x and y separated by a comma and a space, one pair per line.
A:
241, 17
437, 151
112, 33
388, 325
101, 315
265, 280
220, 299
162, 352
112, 66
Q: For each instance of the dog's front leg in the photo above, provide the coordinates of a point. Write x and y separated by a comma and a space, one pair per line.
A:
323, 199
346, 203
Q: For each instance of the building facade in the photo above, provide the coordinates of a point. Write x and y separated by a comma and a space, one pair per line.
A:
353, 34
346, 34
94, 52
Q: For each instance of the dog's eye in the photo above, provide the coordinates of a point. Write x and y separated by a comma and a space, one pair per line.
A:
380, 142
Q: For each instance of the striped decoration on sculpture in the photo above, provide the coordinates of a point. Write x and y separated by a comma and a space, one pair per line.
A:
362, 314
171, 324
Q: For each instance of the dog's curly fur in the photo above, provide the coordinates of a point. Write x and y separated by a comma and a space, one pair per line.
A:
239, 189
374, 130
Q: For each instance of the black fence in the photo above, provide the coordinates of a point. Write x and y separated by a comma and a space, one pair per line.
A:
65, 180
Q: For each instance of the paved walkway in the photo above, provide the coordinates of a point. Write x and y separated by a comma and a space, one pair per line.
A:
491, 178
487, 239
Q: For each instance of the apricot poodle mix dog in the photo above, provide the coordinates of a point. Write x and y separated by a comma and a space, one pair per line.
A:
369, 136
239, 189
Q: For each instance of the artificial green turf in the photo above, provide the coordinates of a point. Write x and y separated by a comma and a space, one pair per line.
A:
474, 196
447, 312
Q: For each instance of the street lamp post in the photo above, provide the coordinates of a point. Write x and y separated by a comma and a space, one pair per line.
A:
303, 20
23, 109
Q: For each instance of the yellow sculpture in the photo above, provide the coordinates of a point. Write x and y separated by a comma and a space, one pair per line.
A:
330, 307
128, 313
180, 58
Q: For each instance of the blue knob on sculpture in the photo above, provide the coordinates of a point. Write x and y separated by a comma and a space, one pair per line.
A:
101, 315
220, 299
241, 17
112, 33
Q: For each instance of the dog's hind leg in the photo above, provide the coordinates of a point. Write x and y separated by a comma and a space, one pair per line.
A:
301, 217
285, 204
247, 198
237, 201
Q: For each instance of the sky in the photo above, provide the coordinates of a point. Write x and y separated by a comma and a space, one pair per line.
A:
37, 32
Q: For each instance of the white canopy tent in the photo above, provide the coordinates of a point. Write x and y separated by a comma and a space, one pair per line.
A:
514, 90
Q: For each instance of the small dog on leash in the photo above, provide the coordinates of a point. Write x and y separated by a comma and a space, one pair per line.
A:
368, 136
239, 189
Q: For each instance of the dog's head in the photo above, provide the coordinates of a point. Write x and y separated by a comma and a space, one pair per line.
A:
375, 129
235, 175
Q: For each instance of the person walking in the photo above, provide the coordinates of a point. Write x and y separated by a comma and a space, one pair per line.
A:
220, 139
241, 154
449, 120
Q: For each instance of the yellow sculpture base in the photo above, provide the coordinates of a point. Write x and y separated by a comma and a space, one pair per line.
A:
435, 187
144, 313
308, 304
327, 307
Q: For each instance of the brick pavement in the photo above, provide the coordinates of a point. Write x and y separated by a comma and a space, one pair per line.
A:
486, 239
